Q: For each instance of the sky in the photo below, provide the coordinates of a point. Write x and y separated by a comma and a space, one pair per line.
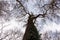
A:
34, 8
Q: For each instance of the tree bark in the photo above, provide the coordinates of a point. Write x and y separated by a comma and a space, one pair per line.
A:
31, 32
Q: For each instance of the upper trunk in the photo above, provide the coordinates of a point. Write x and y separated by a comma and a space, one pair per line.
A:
31, 32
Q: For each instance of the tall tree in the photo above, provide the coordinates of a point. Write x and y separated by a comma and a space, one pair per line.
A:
31, 32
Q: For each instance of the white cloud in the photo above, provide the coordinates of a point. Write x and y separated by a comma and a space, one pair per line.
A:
51, 27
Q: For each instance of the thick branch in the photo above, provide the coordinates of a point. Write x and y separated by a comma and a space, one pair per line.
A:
22, 6
43, 15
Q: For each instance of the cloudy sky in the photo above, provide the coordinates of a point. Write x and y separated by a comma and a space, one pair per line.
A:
44, 24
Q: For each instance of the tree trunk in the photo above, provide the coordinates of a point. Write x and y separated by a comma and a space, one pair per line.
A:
31, 32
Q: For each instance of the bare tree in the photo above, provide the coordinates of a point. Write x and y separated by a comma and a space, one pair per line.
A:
31, 32
52, 6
